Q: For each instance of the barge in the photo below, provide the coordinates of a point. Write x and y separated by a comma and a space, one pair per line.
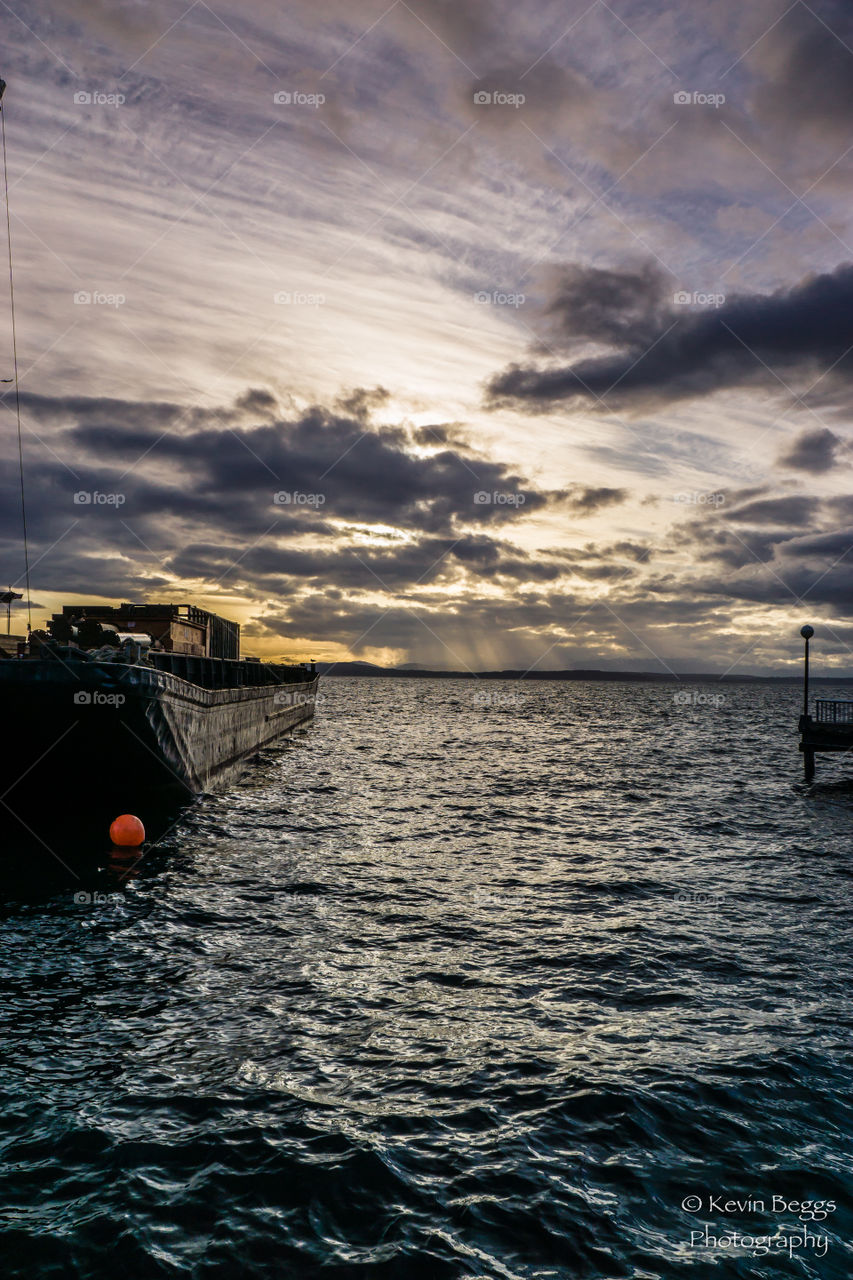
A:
141, 701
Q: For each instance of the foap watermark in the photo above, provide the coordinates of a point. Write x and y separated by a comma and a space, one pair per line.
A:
292, 498
699, 698
698, 898
696, 498
496, 698
94, 498
696, 98
496, 298
294, 298
95, 98
294, 899
684, 298
294, 698
497, 98
95, 298
84, 899
293, 98
96, 698
498, 498
486, 898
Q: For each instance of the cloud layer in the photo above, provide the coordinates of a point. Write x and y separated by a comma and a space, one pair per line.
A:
668, 351
278, 252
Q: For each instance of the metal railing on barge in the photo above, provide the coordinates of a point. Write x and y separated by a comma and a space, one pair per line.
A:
837, 711
229, 673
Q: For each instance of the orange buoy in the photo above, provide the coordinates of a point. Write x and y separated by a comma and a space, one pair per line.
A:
127, 831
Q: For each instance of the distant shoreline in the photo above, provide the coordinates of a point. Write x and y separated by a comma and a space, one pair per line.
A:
366, 669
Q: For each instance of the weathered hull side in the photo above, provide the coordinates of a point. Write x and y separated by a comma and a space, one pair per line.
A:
110, 727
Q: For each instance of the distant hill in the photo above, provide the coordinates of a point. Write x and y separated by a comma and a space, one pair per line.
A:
408, 667
353, 669
413, 672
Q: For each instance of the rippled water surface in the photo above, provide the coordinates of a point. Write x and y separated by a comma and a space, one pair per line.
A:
470, 979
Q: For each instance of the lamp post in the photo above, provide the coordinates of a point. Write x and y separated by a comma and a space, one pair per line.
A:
8, 596
806, 632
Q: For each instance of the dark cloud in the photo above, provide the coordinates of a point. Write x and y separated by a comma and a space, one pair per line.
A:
837, 542
767, 554
813, 451
143, 483
841, 508
604, 305
504, 98
363, 401
257, 400
747, 527
441, 433
786, 584
427, 562
604, 572
784, 512
805, 64
586, 500
466, 28
756, 338
638, 551
735, 549
334, 466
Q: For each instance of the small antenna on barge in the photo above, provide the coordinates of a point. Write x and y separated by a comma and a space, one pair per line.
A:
15, 359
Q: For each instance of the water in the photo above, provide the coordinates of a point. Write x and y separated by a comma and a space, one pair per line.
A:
469, 980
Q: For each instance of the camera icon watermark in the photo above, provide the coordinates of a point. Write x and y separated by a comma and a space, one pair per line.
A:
693, 498
496, 698
86, 498
84, 899
294, 698
487, 898
288, 298
289, 98
85, 698
498, 498
293, 898
84, 98
496, 298
698, 898
292, 498
699, 698
496, 98
94, 298
695, 98
682, 298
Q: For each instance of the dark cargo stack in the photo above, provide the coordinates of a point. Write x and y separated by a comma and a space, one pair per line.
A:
175, 628
223, 637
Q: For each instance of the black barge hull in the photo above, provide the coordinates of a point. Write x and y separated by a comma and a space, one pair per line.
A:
107, 729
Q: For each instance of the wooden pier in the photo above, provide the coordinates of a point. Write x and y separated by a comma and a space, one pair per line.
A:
831, 726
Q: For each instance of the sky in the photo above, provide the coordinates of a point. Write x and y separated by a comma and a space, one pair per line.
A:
472, 335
